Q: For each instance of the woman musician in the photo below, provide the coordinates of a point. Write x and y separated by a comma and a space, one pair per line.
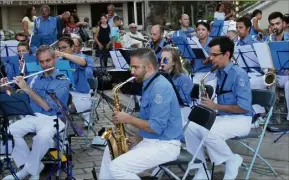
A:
171, 64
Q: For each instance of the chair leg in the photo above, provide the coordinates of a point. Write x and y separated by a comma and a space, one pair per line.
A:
213, 168
206, 171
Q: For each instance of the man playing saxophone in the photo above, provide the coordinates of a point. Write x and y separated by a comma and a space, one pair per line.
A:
234, 109
38, 87
159, 124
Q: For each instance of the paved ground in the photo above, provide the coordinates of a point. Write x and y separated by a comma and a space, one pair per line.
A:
85, 159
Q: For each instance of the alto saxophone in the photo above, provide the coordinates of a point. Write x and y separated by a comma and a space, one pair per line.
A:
202, 87
116, 138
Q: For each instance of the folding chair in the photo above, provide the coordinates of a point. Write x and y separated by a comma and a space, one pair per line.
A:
185, 158
265, 98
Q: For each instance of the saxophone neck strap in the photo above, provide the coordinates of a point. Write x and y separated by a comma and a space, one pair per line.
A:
220, 91
149, 83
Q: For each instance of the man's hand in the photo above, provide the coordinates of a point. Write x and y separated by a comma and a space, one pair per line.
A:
121, 117
19, 80
207, 102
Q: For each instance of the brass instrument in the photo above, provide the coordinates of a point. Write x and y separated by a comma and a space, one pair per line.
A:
116, 138
202, 88
270, 78
31, 75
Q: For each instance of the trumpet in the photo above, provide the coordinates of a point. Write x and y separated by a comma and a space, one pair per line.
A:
31, 75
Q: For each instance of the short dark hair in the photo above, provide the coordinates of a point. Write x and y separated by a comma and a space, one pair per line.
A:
145, 54
255, 12
21, 34
162, 30
275, 15
86, 19
218, 6
78, 40
225, 43
246, 21
24, 44
67, 40
28, 13
116, 18
207, 25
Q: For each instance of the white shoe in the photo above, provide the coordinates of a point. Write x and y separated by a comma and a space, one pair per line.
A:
232, 167
201, 174
20, 175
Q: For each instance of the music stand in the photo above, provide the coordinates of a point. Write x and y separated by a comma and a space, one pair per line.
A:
184, 47
16, 104
246, 58
118, 60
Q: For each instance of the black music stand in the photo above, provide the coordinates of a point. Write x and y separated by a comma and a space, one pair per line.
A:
184, 47
121, 58
16, 104
247, 58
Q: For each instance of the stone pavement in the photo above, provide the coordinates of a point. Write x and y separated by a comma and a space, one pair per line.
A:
85, 159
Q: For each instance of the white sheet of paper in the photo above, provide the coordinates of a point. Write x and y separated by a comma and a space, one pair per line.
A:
118, 60
196, 44
264, 55
249, 55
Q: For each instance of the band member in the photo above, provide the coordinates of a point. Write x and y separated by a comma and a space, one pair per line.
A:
234, 108
186, 30
80, 96
171, 64
45, 110
243, 26
157, 40
201, 66
276, 21
160, 123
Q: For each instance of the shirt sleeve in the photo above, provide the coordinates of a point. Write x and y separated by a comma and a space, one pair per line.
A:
185, 87
243, 92
35, 29
160, 104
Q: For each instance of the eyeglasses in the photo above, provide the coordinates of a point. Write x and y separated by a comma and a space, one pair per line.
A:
205, 21
62, 48
215, 54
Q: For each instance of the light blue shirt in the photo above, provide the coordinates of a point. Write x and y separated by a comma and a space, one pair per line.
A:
46, 29
184, 85
158, 50
199, 66
248, 40
57, 83
90, 65
160, 107
238, 88
273, 37
114, 33
183, 33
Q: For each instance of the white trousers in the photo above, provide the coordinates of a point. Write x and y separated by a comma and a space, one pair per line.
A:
43, 125
185, 111
283, 82
145, 155
82, 103
257, 82
224, 128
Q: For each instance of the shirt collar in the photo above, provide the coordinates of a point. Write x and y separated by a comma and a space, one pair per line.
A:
208, 41
42, 19
247, 41
53, 75
148, 80
226, 69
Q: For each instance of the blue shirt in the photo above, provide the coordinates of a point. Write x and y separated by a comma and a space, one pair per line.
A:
199, 66
246, 41
46, 29
273, 37
79, 75
184, 86
57, 83
160, 107
90, 65
187, 33
59, 26
238, 83
158, 50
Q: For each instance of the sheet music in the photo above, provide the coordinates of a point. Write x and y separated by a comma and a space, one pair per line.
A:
195, 43
246, 56
264, 55
118, 60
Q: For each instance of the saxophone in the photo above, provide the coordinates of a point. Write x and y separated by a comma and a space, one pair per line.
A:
202, 87
116, 138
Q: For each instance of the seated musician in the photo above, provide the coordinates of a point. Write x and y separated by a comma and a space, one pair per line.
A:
157, 40
276, 20
160, 123
128, 41
186, 30
80, 96
201, 66
234, 108
77, 45
45, 110
171, 64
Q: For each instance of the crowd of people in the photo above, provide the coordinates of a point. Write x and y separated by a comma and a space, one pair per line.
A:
162, 116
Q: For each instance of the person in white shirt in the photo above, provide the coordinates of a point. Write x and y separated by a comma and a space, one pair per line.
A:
128, 41
28, 21
220, 13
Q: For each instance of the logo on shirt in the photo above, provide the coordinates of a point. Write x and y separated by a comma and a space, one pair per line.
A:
158, 99
241, 82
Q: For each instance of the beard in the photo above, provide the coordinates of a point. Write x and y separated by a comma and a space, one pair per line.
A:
140, 77
277, 31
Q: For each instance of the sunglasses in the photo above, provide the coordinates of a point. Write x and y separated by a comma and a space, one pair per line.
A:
165, 60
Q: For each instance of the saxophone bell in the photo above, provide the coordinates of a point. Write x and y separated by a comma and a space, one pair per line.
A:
270, 78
